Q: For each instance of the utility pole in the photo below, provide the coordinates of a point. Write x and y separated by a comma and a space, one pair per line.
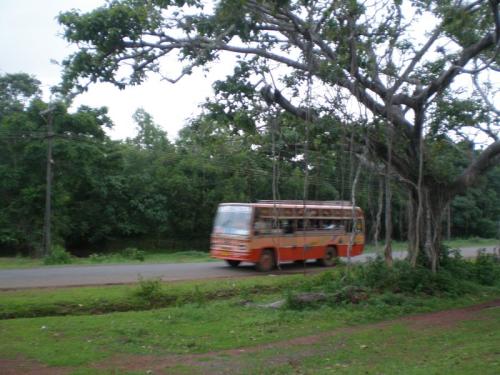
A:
47, 229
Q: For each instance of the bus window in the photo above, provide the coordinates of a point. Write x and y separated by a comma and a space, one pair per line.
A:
233, 220
267, 226
287, 226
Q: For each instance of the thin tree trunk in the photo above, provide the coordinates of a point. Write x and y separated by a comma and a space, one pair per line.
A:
429, 246
353, 214
388, 220
378, 218
448, 221
401, 222
412, 229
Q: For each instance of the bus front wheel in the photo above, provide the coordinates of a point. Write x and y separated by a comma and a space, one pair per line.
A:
266, 261
233, 263
330, 257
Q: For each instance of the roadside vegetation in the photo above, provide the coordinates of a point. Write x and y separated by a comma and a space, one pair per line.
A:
61, 257
106, 258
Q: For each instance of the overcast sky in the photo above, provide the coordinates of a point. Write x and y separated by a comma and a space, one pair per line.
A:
30, 39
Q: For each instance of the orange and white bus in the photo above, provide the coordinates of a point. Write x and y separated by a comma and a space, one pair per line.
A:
267, 233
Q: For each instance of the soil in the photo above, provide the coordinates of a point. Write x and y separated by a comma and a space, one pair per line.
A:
229, 361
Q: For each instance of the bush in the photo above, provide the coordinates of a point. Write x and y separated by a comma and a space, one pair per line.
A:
97, 258
452, 261
403, 278
375, 282
149, 290
487, 268
58, 255
134, 254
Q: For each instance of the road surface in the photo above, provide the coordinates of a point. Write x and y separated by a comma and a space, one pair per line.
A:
54, 276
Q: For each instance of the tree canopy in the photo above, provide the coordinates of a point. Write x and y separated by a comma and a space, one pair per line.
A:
422, 72
149, 192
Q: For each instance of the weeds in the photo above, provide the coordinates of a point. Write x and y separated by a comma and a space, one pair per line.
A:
487, 268
130, 253
134, 254
58, 255
198, 296
149, 290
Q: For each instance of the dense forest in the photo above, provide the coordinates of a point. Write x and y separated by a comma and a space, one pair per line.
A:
155, 193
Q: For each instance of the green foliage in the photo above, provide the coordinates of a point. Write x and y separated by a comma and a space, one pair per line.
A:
403, 278
344, 47
375, 283
147, 188
477, 213
97, 258
16, 90
58, 255
486, 268
199, 297
134, 254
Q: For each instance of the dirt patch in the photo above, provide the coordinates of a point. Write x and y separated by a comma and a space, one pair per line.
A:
448, 318
25, 366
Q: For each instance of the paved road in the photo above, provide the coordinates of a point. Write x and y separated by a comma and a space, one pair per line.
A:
122, 274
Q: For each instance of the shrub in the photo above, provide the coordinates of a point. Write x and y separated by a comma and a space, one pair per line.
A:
149, 289
403, 278
377, 283
97, 258
58, 255
198, 296
134, 254
452, 261
487, 268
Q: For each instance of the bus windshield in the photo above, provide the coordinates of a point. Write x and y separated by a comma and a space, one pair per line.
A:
233, 220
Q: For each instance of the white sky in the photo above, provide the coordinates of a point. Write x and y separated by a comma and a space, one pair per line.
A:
30, 39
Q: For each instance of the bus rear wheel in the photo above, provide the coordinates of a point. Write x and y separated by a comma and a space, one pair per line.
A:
330, 258
267, 262
233, 263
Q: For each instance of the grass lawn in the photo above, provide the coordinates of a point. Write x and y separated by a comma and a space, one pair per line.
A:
150, 257
454, 244
208, 328
89, 300
468, 346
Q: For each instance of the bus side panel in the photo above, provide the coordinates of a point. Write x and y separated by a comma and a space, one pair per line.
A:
310, 247
357, 249
290, 248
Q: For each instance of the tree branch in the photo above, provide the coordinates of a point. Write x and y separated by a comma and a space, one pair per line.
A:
486, 160
444, 80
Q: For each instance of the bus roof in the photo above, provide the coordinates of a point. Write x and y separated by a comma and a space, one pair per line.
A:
298, 204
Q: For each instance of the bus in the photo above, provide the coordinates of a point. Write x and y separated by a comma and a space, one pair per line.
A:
268, 233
